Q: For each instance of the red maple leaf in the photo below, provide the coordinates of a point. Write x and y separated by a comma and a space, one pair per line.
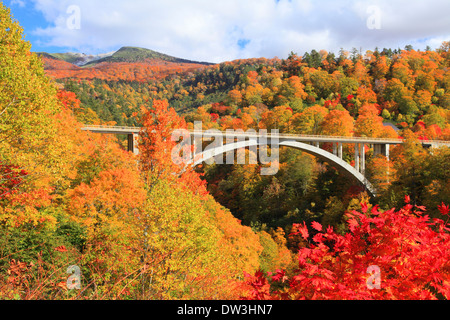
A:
352, 224
407, 199
316, 225
364, 207
302, 229
444, 209
279, 276
375, 209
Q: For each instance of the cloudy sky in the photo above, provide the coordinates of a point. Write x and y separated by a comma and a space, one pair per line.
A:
224, 30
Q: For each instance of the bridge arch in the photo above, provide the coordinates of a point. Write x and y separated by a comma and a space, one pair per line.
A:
313, 150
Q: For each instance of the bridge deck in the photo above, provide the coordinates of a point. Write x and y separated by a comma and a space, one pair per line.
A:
280, 136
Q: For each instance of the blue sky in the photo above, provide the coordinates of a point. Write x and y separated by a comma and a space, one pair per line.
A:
224, 30
29, 20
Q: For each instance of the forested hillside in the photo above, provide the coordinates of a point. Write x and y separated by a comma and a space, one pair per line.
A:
408, 86
143, 227
381, 93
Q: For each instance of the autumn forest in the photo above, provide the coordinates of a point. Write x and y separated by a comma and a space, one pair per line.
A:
141, 227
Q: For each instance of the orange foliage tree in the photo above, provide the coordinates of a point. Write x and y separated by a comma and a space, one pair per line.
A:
338, 123
156, 146
369, 123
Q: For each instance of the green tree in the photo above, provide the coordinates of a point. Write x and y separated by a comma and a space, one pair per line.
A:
313, 59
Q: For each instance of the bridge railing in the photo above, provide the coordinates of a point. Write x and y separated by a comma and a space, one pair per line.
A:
295, 135
326, 137
279, 135
87, 127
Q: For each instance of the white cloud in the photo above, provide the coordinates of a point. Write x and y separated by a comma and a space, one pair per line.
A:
20, 3
212, 30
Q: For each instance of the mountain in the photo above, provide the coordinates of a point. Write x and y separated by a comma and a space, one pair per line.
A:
78, 59
136, 54
127, 63
124, 54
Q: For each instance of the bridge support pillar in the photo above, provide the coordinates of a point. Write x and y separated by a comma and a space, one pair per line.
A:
381, 149
386, 151
133, 143
376, 149
357, 156
362, 159
339, 151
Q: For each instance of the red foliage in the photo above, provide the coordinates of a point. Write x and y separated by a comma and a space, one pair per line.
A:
220, 108
421, 123
407, 199
260, 286
68, 99
409, 251
301, 229
331, 104
10, 177
138, 71
214, 117
444, 209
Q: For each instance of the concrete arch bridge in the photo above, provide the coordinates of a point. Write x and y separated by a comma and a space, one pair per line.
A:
227, 142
